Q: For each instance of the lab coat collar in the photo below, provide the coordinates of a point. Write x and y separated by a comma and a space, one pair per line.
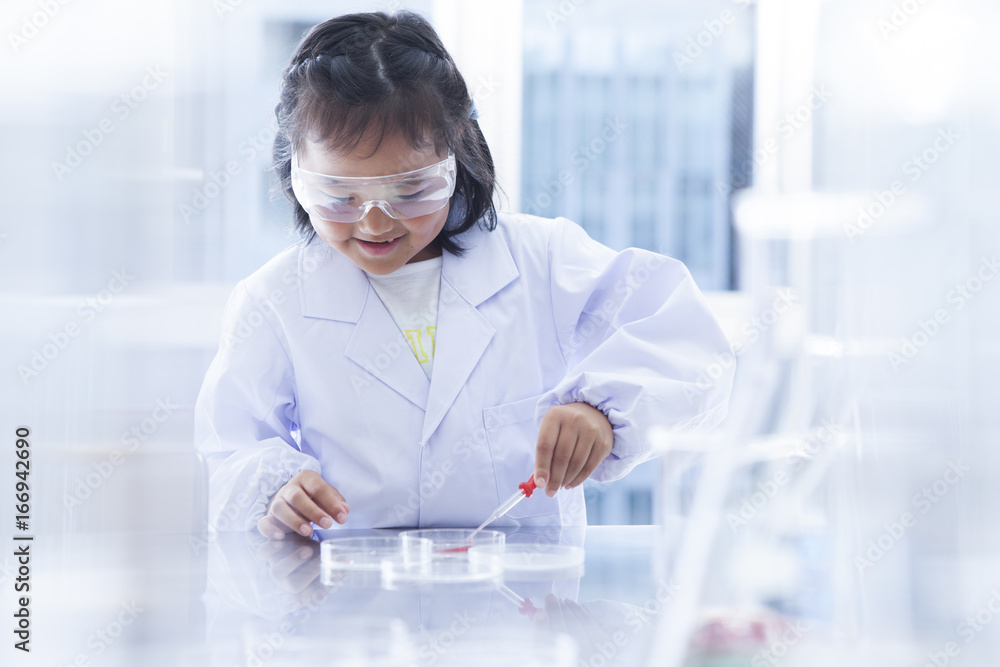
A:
486, 267
334, 288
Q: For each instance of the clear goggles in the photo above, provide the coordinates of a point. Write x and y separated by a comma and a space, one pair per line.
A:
400, 196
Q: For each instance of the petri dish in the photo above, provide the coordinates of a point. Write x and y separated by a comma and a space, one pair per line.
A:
446, 570
454, 542
374, 554
450, 563
528, 559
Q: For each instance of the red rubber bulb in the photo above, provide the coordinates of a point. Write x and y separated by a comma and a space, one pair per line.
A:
528, 487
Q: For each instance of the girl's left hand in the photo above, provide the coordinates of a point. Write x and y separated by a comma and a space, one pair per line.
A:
573, 439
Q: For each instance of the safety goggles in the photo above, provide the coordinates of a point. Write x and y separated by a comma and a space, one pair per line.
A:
400, 196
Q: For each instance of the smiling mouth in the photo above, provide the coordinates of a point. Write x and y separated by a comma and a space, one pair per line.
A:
379, 242
378, 248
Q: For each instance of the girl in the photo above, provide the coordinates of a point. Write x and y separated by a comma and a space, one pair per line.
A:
417, 355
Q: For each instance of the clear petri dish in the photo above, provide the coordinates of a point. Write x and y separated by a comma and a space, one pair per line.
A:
446, 571
525, 558
454, 542
450, 562
374, 554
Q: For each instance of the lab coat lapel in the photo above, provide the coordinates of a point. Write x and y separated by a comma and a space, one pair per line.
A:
379, 347
463, 333
334, 288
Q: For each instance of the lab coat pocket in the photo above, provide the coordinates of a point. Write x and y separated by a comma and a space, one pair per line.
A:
512, 436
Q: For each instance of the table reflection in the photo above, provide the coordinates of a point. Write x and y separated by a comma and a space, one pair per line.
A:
272, 595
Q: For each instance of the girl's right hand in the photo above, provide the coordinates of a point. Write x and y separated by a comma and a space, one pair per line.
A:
305, 498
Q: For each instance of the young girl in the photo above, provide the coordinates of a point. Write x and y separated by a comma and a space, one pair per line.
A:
418, 355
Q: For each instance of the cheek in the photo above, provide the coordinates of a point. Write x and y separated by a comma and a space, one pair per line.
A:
334, 233
427, 227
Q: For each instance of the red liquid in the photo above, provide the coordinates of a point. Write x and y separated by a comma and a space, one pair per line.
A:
454, 550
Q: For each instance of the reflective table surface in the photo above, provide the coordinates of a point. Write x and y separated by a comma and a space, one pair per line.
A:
239, 599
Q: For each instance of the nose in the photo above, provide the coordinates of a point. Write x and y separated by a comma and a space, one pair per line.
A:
375, 221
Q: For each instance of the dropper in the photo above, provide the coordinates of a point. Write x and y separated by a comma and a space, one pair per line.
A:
524, 490
524, 605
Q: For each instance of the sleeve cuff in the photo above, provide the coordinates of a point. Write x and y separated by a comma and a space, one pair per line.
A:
623, 450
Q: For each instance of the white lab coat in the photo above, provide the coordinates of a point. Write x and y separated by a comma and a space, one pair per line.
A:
313, 374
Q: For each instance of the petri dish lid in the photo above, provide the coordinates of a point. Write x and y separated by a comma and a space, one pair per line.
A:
447, 569
529, 559
450, 562
374, 554
454, 542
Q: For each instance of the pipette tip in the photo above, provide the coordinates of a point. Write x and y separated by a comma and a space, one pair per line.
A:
525, 489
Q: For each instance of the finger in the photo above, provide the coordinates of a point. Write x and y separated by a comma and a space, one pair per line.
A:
274, 549
327, 498
286, 514
560, 459
581, 454
282, 568
597, 454
548, 434
271, 528
301, 577
554, 613
302, 502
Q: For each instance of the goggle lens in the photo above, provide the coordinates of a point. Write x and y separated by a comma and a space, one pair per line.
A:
401, 196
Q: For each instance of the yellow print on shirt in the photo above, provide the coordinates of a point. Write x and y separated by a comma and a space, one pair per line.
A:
417, 338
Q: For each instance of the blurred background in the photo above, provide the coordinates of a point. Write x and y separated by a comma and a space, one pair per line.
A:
826, 169
143, 139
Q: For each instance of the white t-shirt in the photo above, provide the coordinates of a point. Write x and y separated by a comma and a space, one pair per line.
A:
410, 294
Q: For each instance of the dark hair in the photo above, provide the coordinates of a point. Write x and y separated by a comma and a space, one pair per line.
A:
375, 75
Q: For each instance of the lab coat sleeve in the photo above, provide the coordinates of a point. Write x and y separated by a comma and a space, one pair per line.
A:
638, 339
245, 416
